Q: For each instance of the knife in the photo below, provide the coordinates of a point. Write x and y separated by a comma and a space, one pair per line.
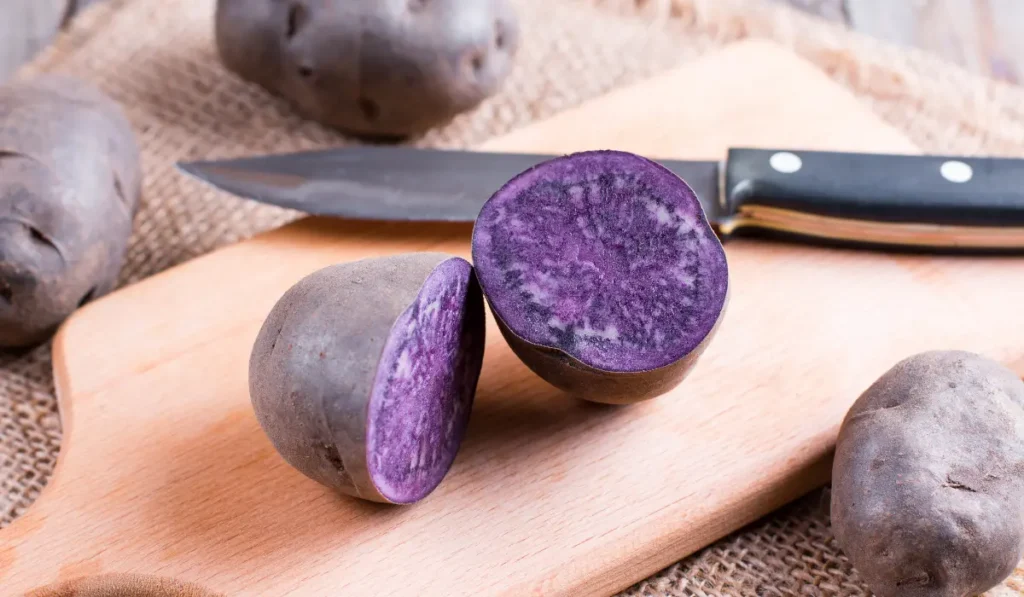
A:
892, 200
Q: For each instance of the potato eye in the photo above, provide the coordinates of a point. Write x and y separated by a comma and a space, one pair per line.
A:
37, 235
477, 61
297, 17
87, 297
119, 189
368, 107
499, 35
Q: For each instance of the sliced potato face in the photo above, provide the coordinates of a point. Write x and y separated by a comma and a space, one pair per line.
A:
364, 374
603, 273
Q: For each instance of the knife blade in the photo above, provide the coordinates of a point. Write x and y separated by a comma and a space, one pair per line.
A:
862, 198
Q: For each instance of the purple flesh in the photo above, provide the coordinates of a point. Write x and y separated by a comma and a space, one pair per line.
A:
604, 255
424, 387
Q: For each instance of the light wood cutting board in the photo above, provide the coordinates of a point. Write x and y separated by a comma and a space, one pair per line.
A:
165, 471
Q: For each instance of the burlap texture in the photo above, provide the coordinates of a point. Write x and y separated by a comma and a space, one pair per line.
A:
157, 58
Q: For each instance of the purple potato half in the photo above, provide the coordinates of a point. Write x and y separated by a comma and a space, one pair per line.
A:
603, 274
363, 375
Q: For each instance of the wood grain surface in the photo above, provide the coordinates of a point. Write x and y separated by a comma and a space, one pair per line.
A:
164, 470
983, 36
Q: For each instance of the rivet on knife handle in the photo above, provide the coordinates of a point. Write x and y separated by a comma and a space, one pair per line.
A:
891, 199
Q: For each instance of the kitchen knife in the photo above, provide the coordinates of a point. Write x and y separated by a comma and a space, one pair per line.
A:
863, 198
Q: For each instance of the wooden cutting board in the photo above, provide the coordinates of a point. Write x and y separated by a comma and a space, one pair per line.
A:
165, 472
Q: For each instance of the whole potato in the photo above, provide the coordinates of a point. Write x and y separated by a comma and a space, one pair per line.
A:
374, 68
70, 180
928, 477
363, 374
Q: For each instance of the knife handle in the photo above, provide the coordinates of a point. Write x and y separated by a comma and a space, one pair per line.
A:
890, 199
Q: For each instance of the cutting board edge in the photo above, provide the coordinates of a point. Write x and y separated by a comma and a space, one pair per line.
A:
747, 508
799, 483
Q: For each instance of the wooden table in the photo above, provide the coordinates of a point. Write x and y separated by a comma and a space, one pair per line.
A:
981, 35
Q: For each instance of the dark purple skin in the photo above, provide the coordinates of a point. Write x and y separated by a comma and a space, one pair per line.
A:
373, 68
363, 375
70, 184
928, 477
603, 274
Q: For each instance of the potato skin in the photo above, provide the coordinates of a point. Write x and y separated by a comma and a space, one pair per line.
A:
371, 68
315, 360
606, 387
70, 180
928, 477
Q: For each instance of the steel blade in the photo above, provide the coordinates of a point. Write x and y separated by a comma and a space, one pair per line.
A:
396, 182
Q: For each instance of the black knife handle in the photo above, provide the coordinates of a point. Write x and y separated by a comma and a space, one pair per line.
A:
878, 198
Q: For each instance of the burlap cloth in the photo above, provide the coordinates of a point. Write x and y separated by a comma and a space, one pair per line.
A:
156, 57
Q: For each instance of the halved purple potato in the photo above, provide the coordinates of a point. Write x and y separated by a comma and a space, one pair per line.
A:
363, 375
603, 274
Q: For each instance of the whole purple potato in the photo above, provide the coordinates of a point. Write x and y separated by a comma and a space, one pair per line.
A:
70, 183
363, 375
928, 477
373, 68
603, 274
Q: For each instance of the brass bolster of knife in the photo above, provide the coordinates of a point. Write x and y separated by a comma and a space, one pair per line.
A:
868, 231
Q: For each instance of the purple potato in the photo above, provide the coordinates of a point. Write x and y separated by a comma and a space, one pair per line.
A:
363, 375
372, 68
603, 274
928, 477
70, 183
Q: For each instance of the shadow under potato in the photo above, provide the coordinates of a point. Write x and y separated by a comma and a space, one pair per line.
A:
225, 496
518, 420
